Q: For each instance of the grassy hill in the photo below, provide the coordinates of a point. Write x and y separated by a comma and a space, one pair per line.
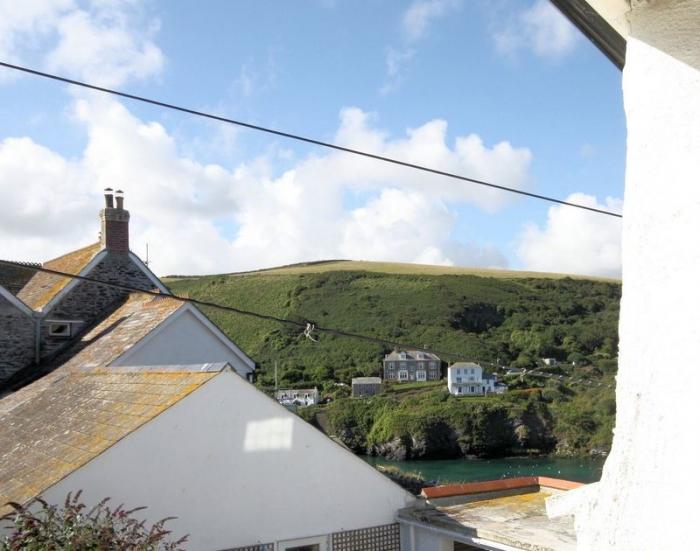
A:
483, 315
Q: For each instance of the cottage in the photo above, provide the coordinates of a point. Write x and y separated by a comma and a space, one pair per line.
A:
53, 320
297, 397
411, 365
467, 379
366, 386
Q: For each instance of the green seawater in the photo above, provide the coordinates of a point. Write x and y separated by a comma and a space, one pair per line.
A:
579, 469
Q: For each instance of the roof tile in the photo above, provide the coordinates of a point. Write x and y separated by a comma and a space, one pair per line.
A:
42, 287
68, 422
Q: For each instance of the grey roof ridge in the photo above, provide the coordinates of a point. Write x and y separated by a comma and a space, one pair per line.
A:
212, 367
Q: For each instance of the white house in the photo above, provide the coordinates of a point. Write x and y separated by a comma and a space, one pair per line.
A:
199, 443
647, 494
467, 379
297, 396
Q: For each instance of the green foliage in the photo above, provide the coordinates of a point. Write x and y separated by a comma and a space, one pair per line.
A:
516, 320
40, 526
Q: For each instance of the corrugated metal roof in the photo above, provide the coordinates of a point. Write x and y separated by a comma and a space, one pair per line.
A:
77, 416
42, 287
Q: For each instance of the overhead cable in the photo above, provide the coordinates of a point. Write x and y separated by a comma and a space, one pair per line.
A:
305, 139
306, 326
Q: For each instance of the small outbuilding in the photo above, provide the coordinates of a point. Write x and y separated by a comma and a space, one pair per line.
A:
366, 386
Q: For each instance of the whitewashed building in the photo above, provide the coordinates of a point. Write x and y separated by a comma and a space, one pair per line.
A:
297, 396
468, 379
648, 492
199, 443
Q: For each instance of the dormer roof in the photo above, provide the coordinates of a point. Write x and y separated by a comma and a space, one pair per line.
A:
43, 287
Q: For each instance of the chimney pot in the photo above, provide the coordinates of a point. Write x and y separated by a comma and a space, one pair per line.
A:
109, 200
114, 236
119, 195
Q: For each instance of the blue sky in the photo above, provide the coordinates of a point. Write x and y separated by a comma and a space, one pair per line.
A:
213, 198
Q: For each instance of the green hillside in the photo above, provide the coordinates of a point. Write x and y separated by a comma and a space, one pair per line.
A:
483, 315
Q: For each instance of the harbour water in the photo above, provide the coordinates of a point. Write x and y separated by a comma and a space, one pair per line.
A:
580, 469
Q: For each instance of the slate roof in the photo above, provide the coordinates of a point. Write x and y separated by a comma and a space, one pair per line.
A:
42, 287
77, 416
366, 380
415, 355
104, 343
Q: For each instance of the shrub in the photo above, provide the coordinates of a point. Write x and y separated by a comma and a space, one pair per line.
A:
39, 525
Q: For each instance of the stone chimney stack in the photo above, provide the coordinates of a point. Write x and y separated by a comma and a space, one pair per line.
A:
115, 223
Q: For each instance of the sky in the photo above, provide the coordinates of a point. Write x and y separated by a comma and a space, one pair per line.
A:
500, 90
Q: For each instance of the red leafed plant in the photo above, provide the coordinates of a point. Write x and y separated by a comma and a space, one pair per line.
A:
39, 525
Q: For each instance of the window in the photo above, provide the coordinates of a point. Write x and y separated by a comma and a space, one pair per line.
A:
471, 389
420, 376
459, 379
403, 375
58, 329
305, 544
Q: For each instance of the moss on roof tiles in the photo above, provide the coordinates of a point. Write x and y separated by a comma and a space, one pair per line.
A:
42, 287
76, 417
103, 344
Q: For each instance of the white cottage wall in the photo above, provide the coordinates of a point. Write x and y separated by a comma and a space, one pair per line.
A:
648, 492
236, 468
184, 340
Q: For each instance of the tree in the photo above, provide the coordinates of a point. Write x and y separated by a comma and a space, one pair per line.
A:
39, 525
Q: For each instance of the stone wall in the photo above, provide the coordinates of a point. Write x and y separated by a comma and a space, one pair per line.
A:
90, 302
16, 339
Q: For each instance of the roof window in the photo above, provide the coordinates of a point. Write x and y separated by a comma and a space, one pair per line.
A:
60, 329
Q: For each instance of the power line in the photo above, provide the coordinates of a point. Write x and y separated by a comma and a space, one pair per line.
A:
304, 325
305, 139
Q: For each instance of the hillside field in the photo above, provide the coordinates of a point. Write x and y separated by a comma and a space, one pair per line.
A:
514, 318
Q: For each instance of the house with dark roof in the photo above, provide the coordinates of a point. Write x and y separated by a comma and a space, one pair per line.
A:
403, 366
51, 318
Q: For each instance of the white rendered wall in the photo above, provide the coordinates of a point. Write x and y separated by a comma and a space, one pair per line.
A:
237, 468
185, 340
648, 493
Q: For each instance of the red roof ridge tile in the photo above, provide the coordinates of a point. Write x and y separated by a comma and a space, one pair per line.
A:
467, 488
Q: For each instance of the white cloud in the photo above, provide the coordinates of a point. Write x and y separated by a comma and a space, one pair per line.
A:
256, 77
410, 226
574, 240
201, 218
396, 61
103, 42
540, 28
422, 13
415, 23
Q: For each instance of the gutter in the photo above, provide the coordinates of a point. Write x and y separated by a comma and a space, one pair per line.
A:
595, 28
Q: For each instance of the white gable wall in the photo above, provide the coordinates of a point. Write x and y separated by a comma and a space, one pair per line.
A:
237, 468
185, 338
